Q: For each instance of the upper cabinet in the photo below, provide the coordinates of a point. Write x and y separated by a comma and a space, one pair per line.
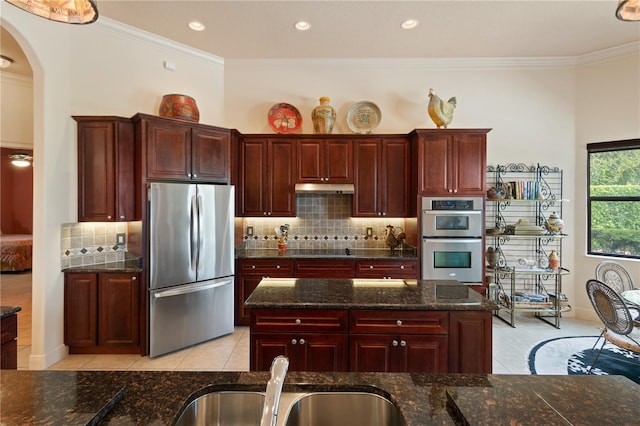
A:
325, 161
266, 184
381, 177
106, 164
182, 151
451, 161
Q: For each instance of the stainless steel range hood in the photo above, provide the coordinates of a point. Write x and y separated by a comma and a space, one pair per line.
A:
324, 188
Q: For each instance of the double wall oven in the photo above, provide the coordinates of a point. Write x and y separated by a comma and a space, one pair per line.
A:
452, 246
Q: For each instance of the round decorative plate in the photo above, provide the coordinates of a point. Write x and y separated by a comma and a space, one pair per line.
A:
284, 118
363, 117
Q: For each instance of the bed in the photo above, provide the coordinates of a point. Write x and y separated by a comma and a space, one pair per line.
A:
16, 252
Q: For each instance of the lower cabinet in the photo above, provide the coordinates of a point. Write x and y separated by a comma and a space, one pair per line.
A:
102, 313
313, 340
372, 340
9, 340
386, 269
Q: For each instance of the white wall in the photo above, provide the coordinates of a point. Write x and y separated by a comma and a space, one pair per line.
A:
102, 69
607, 109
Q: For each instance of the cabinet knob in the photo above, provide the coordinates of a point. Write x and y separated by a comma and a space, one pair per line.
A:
401, 266
188, 174
294, 342
134, 278
370, 266
277, 266
403, 343
394, 343
109, 217
398, 323
384, 213
121, 217
451, 190
195, 175
302, 341
298, 322
253, 266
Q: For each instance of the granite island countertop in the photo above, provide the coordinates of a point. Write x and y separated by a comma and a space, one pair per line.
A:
156, 397
356, 293
354, 254
7, 311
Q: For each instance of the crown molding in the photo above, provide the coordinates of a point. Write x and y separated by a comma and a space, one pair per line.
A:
603, 55
116, 27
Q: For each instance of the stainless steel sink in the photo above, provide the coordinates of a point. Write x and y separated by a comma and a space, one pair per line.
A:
341, 408
223, 408
240, 408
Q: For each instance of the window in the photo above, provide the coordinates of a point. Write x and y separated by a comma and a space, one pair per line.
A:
613, 199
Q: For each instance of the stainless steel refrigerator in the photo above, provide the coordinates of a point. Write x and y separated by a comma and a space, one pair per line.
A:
191, 264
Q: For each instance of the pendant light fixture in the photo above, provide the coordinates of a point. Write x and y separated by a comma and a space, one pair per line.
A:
628, 10
20, 159
67, 11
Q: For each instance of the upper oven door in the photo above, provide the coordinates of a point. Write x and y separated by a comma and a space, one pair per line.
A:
437, 223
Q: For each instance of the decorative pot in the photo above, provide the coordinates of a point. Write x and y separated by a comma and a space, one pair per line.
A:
282, 247
554, 260
323, 117
492, 257
554, 223
182, 107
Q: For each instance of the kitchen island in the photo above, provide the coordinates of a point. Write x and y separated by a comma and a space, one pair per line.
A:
361, 325
155, 397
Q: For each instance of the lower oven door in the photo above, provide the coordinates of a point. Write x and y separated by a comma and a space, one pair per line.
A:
452, 259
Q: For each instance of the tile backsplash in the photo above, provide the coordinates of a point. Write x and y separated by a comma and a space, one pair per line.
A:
90, 243
323, 222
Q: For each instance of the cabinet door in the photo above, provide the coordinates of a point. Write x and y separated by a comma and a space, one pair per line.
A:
339, 160
322, 352
435, 165
470, 342
168, 150
118, 296
80, 310
252, 191
370, 352
421, 354
281, 179
367, 173
394, 183
266, 346
310, 161
210, 155
470, 159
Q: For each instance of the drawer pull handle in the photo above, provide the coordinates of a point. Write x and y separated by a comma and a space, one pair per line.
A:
302, 341
401, 266
398, 323
277, 266
403, 343
394, 343
294, 342
370, 266
253, 266
298, 321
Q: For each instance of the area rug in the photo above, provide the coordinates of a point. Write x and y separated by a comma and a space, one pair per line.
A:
573, 355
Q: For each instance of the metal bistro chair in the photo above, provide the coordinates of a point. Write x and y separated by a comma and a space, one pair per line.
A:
615, 276
614, 313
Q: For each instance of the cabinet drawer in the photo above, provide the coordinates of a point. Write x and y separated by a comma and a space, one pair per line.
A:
386, 268
266, 267
9, 328
298, 320
325, 268
405, 322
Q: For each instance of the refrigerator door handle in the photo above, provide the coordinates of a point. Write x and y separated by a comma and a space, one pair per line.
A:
190, 289
200, 230
193, 228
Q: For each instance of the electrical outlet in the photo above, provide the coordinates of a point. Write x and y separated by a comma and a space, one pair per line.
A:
121, 239
369, 232
250, 231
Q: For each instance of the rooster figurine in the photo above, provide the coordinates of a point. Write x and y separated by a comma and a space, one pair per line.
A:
441, 112
392, 239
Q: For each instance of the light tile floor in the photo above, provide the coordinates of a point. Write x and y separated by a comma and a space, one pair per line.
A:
511, 346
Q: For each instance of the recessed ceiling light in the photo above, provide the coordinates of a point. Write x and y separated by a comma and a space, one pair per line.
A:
196, 26
302, 25
410, 23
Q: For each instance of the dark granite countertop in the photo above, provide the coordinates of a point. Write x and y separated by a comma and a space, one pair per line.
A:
155, 397
129, 265
355, 254
7, 311
337, 293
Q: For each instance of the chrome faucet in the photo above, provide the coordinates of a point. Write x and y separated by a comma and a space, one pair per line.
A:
279, 368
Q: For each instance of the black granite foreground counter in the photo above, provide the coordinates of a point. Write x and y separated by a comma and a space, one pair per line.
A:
354, 254
154, 397
336, 293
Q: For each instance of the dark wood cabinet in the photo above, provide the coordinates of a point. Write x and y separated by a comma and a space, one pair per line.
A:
249, 273
313, 340
101, 313
9, 342
381, 177
325, 161
452, 162
180, 151
387, 269
470, 342
315, 268
106, 165
266, 177
398, 341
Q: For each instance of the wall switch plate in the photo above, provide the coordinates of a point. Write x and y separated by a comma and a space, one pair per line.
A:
121, 239
249, 231
369, 232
